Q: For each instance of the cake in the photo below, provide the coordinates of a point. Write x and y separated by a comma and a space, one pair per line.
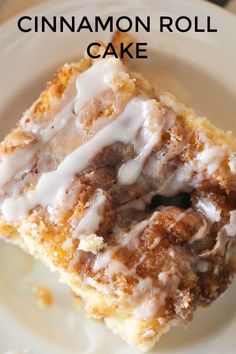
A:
124, 192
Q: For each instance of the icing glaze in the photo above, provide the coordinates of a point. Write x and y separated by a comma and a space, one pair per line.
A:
211, 158
50, 184
97, 79
230, 228
209, 210
89, 223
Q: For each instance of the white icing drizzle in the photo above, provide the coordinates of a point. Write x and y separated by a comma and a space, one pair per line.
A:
179, 218
201, 233
96, 80
68, 243
211, 158
155, 243
47, 131
162, 321
116, 267
169, 278
209, 210
177, 182
150, 305
50, 184
103, 259
208, 161
230, 228
89, 223
130, 239
232, 164
12, 163
148, 333
203, 266
131, 170
163, 277
137, 204
144, 285
67, 201
152, 298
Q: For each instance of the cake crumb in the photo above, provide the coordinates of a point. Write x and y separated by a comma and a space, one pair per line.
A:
91, 243
42, 295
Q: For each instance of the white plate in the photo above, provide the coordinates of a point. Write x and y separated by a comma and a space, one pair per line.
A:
200, 69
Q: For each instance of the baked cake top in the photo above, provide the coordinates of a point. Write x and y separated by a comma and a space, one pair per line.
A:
125, 188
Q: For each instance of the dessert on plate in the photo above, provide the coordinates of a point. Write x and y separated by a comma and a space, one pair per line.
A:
126, 193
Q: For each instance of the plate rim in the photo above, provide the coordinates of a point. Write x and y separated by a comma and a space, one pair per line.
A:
9, 25
190, 3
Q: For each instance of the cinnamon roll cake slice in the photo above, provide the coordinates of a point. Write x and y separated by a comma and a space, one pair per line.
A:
126, 193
